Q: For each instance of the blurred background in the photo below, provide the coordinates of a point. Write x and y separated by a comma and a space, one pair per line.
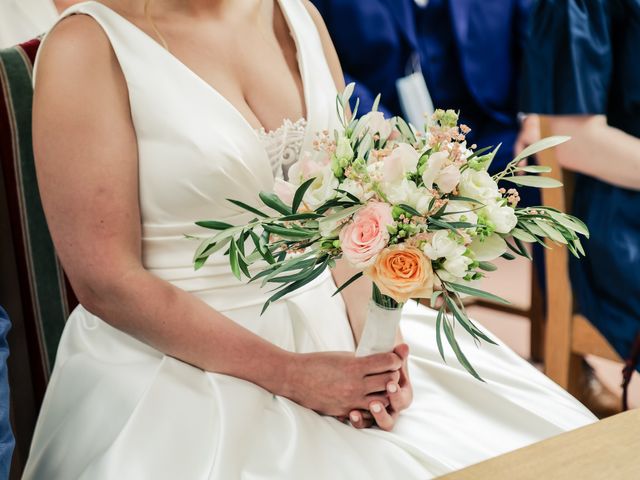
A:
517, 70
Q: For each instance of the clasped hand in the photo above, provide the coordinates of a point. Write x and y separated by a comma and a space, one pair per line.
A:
366, 390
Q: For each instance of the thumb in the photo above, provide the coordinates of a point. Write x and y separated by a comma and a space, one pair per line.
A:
402, 351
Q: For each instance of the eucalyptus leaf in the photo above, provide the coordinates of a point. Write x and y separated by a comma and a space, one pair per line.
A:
247, 207
438, 333
448, 331
233, 260
285, 232
214, 225
534, 169
272, 200
487, 266
533, 181
550, 232
348, 282
523, 235
299, 195
329, 223
539, 146
568, 222
475, 292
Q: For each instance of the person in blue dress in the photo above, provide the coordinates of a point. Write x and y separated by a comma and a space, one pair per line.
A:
582, 68
469, 52
6, 435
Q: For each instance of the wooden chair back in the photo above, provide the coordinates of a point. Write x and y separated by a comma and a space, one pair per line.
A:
568, 336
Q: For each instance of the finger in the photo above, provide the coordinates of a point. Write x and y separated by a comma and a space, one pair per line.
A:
382, 417
381, 362
378, 383
367, 400
360, 419
402, 350
399, 398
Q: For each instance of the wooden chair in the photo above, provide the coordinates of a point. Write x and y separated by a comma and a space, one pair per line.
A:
569, 336
33, 288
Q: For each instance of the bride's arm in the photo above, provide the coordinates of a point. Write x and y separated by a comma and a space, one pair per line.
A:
86, 155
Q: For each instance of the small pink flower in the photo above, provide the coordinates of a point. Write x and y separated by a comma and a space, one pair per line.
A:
366, 236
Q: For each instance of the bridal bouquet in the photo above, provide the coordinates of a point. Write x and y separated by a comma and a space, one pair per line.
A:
413, 210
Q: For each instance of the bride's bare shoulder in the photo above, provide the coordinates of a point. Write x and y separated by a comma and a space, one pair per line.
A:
77, 50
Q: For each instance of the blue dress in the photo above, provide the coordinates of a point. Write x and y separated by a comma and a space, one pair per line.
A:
582, 58
7, 441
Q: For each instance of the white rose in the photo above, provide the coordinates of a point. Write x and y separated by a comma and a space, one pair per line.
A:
487, 249
399, 192
503, 218
322, 188
420, 198
448, 179
434, 165
478, 185
404, 158
376, 123
442, 245
460, 212
457, 265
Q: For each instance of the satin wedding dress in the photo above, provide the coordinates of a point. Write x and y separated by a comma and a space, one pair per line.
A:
118, 409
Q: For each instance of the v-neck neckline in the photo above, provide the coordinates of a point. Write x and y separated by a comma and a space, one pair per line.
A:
299, 60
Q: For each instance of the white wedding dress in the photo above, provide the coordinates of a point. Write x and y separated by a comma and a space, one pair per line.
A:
119, 409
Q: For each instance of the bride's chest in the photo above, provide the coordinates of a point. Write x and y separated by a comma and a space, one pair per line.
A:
194, 152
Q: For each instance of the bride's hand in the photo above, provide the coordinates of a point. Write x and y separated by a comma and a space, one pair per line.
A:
400, 396
334, 383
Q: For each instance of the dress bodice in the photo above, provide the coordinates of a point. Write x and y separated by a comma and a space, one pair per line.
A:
196, 150
284, 145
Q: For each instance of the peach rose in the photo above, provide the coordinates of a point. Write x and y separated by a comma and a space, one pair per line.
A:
366, 236
402, 272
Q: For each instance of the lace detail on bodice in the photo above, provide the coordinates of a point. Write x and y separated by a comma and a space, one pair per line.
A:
283, 145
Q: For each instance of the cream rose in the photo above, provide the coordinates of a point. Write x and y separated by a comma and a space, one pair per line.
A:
402, 273
366, 236
478, 185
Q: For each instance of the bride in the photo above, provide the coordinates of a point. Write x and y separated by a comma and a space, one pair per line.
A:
147, 116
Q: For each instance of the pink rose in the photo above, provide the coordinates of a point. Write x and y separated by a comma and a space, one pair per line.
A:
366, 236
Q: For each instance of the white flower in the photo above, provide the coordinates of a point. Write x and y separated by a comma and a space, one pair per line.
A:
304, 169
344, 152
442, 245
399, 192
478, 185
404, 158
354, 188
322, 188
456, 211
376, 123
419, 198
448, 178
487, 249
503, 218
457, 265
434, 164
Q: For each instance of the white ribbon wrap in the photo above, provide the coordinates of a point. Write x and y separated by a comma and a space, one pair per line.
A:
380, 328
